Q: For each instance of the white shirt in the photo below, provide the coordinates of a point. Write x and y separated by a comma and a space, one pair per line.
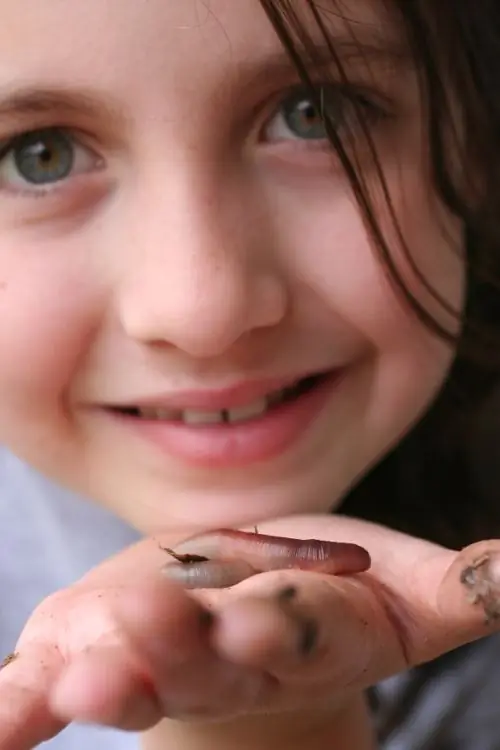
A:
50, 538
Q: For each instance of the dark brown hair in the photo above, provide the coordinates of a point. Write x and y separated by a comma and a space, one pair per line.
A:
431, 485
439, 483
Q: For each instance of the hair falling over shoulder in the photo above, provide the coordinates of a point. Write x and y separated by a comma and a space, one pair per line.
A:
439, 482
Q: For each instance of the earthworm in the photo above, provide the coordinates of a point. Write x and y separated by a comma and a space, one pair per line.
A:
222, 558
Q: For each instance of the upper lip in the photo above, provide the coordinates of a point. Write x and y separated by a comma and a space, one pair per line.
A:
230, 397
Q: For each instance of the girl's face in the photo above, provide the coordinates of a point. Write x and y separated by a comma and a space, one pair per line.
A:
178, 245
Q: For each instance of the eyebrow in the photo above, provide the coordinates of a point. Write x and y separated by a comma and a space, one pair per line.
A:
345, 48
33, 100
370, 47
37, 100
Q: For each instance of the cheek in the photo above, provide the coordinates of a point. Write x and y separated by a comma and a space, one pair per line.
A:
329, 250
47, 316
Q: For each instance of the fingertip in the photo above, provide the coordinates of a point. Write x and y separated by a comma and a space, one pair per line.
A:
153, 603
25, 716
104, 687
470, 590
162, 620
263, 633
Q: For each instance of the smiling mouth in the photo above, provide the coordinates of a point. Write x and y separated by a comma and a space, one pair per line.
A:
247, 412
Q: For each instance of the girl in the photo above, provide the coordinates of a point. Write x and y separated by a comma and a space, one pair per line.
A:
247, 250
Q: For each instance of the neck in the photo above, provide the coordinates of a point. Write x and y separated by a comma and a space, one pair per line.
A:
346, 729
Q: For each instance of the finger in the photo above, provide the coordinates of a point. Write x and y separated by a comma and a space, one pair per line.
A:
425, 601
308, 630
106, 686
326, 639
426, 590
361, 629
262, 631
314, 637
438, 599
169, 634
475, 574
26, 719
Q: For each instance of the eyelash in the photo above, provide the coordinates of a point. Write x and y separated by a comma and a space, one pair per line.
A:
357, 99
80, 155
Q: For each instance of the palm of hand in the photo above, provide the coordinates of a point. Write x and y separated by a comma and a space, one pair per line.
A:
124, 647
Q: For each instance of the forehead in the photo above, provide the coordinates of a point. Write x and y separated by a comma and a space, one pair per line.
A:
71, 39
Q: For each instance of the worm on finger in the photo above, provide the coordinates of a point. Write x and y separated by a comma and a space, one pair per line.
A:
211, 574
218, 558
275, 553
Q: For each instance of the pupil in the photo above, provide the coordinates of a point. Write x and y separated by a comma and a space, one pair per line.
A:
44, 157
304, 120
308, 112
45, 154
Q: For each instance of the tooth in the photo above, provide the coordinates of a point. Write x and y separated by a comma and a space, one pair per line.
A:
148, 412
151, 412
249, 411
166, 414
192, 416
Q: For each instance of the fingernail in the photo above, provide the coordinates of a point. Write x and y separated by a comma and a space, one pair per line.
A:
482, 580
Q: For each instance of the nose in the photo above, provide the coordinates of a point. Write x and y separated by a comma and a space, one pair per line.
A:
201, 277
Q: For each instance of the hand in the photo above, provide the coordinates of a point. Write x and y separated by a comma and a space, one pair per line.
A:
126, 647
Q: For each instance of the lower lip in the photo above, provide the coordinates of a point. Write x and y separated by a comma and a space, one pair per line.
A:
241, 444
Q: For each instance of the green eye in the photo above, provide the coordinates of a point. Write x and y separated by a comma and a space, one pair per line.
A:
299, 119
302, 119
43, 158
